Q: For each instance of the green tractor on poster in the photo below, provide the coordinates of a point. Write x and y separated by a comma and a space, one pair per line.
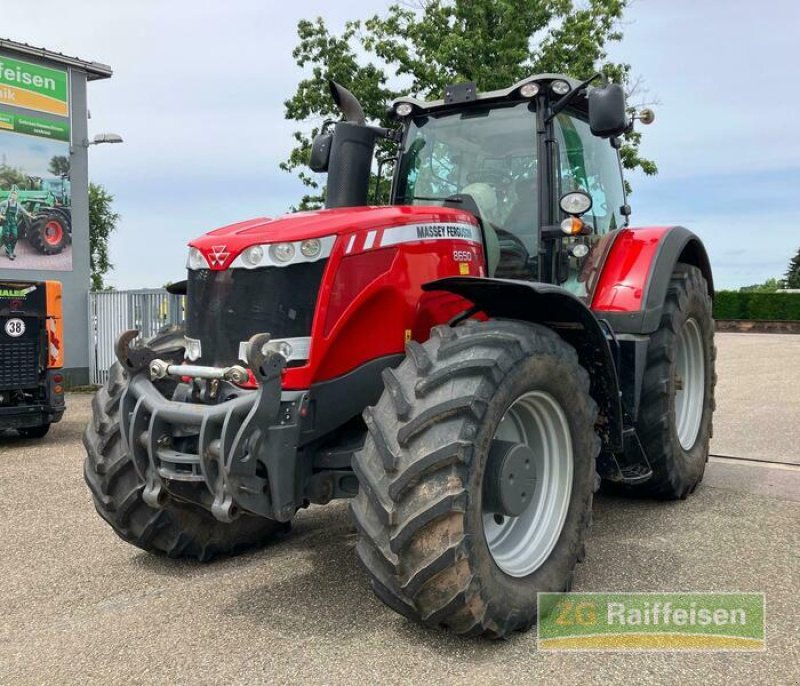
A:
47, 201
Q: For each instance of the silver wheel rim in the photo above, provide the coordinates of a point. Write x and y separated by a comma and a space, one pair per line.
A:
690, 383
520, 545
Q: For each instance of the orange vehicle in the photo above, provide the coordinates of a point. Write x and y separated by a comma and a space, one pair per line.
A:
31, 356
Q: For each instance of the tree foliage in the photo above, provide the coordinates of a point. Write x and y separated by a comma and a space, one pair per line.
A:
11, 176
769, 286
421, 47
102, 222
59, 166
792, 276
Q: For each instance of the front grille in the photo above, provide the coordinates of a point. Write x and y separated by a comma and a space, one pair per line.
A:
225, 308
19, 365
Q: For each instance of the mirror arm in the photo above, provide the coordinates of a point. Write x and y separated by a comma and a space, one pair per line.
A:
569, 97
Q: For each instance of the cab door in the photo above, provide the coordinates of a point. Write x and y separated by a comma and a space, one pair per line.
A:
588, 163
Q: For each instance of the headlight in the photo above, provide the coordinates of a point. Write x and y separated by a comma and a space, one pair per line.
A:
282, 252
403, 109
253, 255
311, 248
193, 349
196, 260
282, 347
529, 90
579, 250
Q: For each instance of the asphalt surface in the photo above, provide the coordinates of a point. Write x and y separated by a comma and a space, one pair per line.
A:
758, 397
79, 606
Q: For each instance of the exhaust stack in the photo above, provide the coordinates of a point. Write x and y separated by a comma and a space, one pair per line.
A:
347, 153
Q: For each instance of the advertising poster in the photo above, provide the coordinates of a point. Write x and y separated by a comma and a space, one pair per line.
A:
35, 194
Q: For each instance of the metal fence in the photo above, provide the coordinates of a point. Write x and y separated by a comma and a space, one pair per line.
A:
112, 312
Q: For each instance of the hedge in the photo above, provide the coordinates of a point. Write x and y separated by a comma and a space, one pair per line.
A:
757, 305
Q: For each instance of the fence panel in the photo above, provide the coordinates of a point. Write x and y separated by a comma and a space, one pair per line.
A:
112, 312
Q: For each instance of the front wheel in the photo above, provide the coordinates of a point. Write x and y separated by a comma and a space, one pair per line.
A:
34, 431
477, 477
176, 530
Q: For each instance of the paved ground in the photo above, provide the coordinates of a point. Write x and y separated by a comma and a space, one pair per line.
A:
758, 397
80, 606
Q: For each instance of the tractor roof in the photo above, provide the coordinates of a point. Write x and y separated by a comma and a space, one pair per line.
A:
457, 99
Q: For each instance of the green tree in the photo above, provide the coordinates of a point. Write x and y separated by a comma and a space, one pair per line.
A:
422, 47
792, 276
102, 222
59, 166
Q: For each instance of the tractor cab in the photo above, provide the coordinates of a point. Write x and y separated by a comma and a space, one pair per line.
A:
524, 160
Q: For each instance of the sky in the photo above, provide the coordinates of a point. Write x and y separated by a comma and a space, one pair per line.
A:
198, 91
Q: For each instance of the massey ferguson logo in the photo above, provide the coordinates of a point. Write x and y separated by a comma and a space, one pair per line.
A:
218, 255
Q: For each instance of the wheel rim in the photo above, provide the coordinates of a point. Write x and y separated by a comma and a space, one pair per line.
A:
53, 233
690, 386
520, 545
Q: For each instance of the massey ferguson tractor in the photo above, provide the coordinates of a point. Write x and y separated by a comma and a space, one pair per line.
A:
466, 363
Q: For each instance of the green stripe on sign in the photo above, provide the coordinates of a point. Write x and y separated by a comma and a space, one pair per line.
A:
33, 126
33, 78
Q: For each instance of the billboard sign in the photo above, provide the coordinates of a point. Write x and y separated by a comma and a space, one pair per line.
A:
35, 190
34, 87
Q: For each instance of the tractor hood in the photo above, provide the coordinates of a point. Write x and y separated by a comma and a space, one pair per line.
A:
226, 243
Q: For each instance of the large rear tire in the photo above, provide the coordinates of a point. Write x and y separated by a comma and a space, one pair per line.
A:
177, 530
429, 540
675, 415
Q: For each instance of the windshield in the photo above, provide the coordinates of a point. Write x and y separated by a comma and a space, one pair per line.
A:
488, 154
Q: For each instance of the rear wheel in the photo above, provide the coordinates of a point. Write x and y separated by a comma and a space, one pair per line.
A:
49, 234
477, 477
675, 416
178, 529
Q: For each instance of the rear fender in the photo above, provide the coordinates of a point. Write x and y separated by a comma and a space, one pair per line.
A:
632, 287
560, 310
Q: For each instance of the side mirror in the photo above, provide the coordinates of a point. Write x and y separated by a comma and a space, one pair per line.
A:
320, 152
607, 111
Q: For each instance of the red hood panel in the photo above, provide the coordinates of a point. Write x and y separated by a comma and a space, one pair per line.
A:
231, 240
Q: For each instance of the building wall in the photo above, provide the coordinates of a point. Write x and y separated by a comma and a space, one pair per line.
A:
75, 282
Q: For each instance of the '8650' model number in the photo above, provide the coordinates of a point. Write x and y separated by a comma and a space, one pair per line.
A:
462, 256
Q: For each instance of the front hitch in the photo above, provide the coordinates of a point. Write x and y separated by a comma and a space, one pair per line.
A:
233, 437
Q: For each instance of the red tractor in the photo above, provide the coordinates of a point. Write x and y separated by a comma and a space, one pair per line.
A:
466, 363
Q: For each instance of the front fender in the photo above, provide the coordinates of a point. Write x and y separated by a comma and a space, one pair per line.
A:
567, 315
633, 285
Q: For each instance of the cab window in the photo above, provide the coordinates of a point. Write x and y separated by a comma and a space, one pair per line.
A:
589, 163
